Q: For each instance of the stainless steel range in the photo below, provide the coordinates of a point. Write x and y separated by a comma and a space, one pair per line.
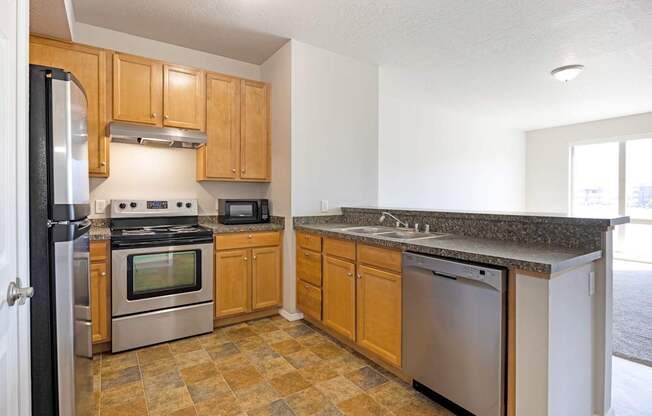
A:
162, 272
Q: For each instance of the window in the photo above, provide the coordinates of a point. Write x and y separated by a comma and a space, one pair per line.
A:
615, 178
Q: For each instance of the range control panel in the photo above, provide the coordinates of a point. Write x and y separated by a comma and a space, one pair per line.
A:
125, 208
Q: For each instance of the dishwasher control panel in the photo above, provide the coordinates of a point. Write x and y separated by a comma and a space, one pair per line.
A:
454, 269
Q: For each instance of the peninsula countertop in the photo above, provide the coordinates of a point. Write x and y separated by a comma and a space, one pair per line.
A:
527, 257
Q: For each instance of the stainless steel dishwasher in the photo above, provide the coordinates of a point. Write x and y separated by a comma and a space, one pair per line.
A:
454, 333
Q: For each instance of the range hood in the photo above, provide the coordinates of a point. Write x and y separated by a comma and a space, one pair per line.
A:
156, 136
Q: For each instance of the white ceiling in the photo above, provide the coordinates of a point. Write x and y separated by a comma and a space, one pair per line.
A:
489, 59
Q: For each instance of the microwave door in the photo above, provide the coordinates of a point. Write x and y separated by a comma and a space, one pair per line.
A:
244, 210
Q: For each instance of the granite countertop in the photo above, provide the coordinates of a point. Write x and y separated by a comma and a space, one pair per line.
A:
241, 228
99, 232
533, 258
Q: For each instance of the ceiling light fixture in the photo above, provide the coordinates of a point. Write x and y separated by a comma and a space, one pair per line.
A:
567, 73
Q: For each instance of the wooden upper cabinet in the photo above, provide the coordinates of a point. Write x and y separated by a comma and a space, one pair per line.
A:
184, 102
220, 158
137, 85
266, 277
237, 126
339, 296
88, 65
255, 131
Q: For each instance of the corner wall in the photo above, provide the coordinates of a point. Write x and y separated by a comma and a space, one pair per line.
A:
334, 130
431, 158
277, 71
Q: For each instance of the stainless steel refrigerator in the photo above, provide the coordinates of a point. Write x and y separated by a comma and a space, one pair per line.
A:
61, 336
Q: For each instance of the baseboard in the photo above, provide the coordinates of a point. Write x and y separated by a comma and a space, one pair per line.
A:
289, 315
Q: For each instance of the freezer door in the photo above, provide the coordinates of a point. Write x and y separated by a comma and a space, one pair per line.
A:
73, 318
69, 151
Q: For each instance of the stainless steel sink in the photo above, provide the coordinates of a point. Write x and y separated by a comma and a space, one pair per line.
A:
410, 235
366, 230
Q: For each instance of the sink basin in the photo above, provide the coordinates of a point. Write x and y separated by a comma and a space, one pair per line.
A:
366, 230
410, 235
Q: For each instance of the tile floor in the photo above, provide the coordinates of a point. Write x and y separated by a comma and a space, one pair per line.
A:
264, 367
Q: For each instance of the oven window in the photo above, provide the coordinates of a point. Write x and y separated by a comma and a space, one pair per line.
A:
242, 210
159, 274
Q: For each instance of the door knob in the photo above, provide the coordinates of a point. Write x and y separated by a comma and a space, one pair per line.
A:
19, 294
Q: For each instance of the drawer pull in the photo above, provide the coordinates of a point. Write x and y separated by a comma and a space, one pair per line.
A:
349, 274
244, 258
103, 274
249, 236
305, 253
254, 257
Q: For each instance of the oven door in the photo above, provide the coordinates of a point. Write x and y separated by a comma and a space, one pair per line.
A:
153, 278
241, 212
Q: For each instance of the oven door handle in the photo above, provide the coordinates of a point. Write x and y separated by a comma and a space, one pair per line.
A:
131, 244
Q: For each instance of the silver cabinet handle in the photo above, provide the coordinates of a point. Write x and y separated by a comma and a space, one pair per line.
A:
18, 294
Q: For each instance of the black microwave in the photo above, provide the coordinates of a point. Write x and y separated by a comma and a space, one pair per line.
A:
243, 211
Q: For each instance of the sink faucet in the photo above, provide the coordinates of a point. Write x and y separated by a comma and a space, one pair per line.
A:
398, 222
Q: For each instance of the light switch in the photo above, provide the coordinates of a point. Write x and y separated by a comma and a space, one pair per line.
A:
324, 205
100, 206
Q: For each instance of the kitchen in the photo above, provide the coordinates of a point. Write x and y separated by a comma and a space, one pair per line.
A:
241, 260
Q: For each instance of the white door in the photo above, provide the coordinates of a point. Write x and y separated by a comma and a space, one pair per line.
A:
14, 320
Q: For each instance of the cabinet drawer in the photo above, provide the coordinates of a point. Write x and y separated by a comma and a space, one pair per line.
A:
309, 266
244, 240
309, 241
99, 251
339, 248
309, 300
380, 257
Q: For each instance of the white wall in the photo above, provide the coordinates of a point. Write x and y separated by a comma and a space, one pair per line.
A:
547, 174
334, 130
430, 158
142, 172
146, 172
277, 71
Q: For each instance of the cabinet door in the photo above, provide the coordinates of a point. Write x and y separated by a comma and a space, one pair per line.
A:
232, 275
88, 65
137, 84
266, 277
339, 296
221, 155
379, 313
100, 305
184, 101
254, 131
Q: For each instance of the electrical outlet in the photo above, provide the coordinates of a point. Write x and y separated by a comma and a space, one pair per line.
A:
100, 206
591, 283
324, 205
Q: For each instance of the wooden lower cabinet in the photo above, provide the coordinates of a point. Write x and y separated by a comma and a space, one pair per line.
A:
266, 277
232, 270
339, 296
100, 300
360, 301
248, 279
379, 313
